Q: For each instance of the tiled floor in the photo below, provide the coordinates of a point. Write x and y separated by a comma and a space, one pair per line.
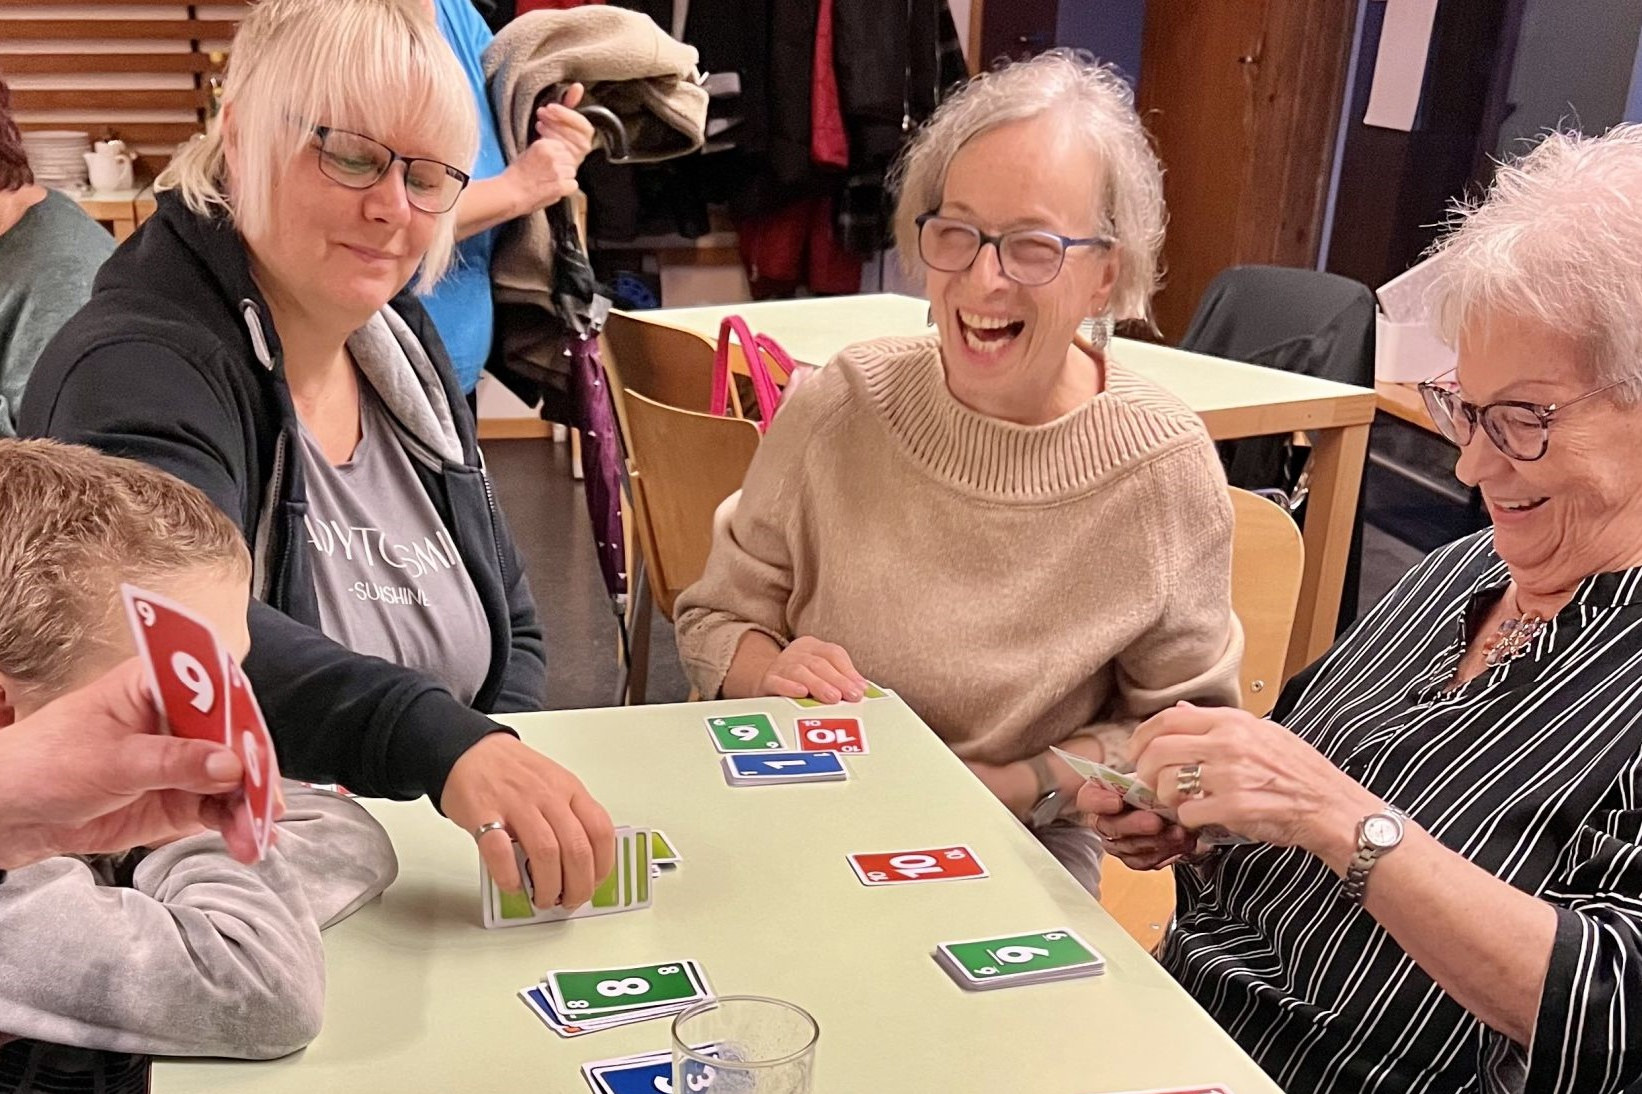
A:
546, 509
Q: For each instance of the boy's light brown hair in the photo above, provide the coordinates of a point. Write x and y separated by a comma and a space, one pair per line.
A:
74, 524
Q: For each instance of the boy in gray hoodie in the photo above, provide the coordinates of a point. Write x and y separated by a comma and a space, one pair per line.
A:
170, 950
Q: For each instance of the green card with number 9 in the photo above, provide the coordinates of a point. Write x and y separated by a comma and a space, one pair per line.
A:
744, 733
1021, 955
595, 992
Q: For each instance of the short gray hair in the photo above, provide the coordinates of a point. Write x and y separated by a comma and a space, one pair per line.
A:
1557, 239
1089, 94
373, 66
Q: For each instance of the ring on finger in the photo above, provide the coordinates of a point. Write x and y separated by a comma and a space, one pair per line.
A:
489, 826
1189, 781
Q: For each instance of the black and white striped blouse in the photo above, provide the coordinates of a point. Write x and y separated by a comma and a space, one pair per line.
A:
1533, 771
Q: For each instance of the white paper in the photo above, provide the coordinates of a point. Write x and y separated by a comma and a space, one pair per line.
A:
1399, 67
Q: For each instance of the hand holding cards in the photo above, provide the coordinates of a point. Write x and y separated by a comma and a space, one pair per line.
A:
627, 888
204, 696
1140, 796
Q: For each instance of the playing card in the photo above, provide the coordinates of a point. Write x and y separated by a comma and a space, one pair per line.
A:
871, 691
645, 1073
1038, 957
183, 663
831, 735
745, 769
625, 889
902, 867
594, 993
662, 851
744, 733
247, 735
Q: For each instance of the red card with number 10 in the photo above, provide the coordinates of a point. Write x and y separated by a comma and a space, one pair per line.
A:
900, 867
831, 735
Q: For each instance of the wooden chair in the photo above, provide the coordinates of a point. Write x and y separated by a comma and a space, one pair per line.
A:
1267, 557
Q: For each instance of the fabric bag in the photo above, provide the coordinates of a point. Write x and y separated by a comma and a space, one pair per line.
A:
755, 348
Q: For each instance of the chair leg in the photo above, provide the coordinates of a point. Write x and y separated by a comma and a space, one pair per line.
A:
576, 455
638, 638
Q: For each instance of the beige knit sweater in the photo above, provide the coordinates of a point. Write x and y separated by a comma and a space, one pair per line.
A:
1016, 585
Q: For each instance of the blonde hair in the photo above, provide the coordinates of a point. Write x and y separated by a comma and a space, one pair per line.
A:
74, 524
372, 66
1557, 239
1092, 98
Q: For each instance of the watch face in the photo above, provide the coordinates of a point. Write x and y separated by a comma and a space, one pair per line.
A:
1381, 831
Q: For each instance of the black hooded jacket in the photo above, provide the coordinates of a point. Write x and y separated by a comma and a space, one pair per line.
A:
175, 362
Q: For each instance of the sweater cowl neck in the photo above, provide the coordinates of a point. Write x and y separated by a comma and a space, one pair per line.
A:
1128, 421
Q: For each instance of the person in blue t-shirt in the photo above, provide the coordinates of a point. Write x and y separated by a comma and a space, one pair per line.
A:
460, 304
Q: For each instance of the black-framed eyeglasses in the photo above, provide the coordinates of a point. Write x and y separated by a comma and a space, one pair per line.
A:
1027, 256
1521, 431
359, 162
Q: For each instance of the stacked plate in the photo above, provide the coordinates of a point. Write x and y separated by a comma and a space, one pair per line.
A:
57, 157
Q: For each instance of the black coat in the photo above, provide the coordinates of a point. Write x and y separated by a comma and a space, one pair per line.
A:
175, 362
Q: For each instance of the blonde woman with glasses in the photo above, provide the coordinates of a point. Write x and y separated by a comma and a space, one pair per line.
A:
1445, 888
256, 339
1027, 541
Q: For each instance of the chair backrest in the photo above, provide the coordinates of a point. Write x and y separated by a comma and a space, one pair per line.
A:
1142, 901
684, 464
1267, 557
663, 364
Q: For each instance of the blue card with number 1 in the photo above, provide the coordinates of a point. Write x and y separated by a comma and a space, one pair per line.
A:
751, 769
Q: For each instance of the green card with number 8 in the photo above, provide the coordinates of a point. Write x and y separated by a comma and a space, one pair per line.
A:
744, 733
597, 992
1030, 956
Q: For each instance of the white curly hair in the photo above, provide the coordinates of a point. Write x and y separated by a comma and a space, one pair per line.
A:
1557, 239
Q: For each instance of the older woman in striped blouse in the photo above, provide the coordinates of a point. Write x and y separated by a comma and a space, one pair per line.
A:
1445, 888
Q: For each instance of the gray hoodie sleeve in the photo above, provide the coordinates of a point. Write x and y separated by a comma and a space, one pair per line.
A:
203, 956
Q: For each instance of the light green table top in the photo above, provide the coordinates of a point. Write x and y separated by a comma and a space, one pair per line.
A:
422, 998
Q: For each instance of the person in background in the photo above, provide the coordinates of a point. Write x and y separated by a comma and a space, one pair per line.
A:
460, 303
257, 340
1445, 892
1028, 542
49, 252
196, 954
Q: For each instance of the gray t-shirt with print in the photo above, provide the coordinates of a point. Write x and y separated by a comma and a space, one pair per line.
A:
390, 580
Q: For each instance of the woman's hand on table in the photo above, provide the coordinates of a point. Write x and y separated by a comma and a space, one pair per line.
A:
811, 668
566, 835
1257, 779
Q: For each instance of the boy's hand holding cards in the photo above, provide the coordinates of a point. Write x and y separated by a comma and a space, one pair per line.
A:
203, 695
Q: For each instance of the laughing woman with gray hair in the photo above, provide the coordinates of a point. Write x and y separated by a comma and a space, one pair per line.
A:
1027, 541
1446, 889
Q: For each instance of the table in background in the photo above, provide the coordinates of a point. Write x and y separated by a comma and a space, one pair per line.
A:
421, 998
1403, 401
1234, 400
114, 208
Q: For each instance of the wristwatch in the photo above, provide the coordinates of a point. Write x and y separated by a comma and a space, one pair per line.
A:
1046, 810
1377, 833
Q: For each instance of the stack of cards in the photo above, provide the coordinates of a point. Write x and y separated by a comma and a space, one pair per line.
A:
627, 888
1036, 958
577, 1001
203, 695
744, 733
906, 867
645, 1073
1138, 794
762, 769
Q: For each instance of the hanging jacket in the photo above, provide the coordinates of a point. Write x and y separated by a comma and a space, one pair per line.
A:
176, 362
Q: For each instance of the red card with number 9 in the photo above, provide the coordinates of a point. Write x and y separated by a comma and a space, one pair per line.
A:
248, 736
184, 662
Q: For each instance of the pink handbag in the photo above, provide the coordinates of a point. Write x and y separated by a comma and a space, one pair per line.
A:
755, 348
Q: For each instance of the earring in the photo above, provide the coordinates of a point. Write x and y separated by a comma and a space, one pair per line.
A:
1097, 330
